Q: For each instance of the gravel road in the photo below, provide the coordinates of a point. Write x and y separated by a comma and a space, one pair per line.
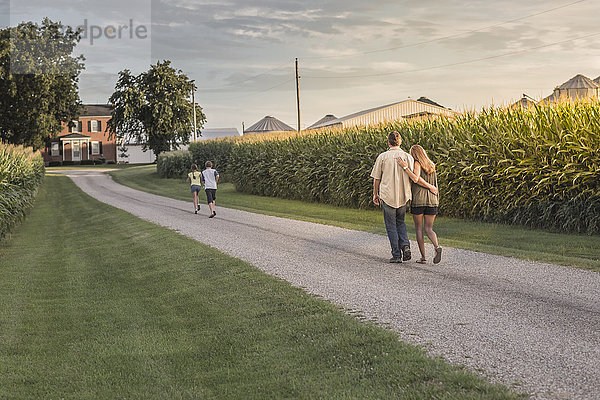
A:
525, 324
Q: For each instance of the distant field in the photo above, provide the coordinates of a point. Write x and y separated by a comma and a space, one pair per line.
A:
580, 251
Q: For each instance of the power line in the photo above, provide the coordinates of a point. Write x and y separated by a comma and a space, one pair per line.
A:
261, 91
234, 84
456, 63
445, 37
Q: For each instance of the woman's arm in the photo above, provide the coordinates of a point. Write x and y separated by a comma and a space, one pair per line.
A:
416, 175
413, 175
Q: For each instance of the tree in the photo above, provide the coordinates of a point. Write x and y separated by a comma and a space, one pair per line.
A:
123, 152
38, 81
154, 108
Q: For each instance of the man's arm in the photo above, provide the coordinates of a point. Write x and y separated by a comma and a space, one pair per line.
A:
376, 198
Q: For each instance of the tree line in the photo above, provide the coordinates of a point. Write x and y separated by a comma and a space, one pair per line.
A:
39, 92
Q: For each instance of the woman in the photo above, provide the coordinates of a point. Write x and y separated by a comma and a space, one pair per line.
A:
425, 200
194, 178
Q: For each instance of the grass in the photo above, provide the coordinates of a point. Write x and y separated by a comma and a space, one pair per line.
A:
579, 251
97, 303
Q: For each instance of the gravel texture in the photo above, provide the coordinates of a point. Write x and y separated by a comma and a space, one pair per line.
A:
529, 325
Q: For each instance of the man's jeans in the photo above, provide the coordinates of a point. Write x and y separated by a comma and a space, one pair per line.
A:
396, 228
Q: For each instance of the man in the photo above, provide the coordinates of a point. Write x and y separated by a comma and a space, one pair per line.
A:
391, 189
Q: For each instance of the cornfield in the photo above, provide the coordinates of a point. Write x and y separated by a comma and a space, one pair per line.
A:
174, 164
21, 173
537, 167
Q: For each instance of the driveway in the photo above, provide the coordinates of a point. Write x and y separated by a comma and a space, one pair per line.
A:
532, 325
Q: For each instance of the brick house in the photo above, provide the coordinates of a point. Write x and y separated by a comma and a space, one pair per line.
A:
86, 138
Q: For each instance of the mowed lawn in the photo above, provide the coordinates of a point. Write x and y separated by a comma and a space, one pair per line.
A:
98, 304
580, 251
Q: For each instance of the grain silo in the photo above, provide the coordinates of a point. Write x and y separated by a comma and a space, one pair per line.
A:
268, 124
578, 87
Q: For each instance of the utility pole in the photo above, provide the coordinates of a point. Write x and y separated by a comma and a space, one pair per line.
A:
194, 105
243, 128
298, 93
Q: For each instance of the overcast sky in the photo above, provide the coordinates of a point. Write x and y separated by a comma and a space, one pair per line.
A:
353, 54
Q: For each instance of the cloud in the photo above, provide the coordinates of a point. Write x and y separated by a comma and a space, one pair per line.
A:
241, 48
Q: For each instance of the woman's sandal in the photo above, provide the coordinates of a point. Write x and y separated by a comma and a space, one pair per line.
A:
438, 255
421, 261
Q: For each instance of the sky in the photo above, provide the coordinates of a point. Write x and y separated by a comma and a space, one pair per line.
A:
352, 54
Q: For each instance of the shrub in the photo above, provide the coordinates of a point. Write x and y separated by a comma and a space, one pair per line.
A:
21, 173
86, 162
54, 164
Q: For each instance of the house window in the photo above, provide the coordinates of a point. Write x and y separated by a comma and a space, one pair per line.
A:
55, 151
95, 148
76, 127
94, 126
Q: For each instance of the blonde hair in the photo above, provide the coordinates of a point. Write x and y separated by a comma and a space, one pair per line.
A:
419, 155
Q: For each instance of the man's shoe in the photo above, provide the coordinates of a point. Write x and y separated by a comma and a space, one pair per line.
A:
198, 207
395, 260
195, 211
406, 253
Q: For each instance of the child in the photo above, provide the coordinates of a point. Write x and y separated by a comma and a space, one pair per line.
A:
210, 177
194, 178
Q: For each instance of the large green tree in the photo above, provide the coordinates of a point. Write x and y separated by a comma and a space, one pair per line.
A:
154, 108
39, 79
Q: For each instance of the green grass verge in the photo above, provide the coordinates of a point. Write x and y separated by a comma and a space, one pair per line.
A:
579, 251
97, 303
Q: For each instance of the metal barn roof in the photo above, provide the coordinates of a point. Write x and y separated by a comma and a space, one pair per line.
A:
207, 134
96, 110
327, 118
524, 102
410, 108
424, 99
579, 82
268, 124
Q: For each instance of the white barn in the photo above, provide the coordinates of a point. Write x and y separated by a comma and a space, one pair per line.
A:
407, 109
215, 133
137, 156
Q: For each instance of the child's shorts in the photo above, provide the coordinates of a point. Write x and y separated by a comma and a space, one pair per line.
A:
211, 195
196, 188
